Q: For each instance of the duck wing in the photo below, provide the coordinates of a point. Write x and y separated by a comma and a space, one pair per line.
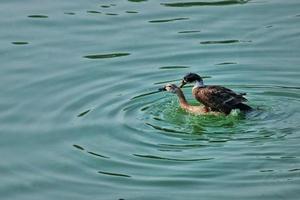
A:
218, 98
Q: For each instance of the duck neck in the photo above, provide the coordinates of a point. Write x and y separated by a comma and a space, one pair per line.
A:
198, 83
183, 103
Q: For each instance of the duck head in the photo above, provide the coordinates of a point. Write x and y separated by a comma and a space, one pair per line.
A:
170, 88
190, 78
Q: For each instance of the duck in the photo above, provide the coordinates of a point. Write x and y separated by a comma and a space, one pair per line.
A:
198, 110
215, 98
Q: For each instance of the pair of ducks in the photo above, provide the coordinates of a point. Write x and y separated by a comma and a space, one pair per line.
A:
215, 99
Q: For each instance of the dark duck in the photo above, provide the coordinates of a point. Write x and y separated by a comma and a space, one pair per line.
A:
215, 98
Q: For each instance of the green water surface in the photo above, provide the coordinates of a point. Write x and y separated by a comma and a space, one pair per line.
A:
80, 117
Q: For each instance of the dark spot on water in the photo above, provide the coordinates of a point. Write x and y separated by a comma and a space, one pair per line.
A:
220, 42
69, 13
37, 16
114, 174
83, 113
78, 147
168, 20
215, 3
105, 6
227, 63
112, 14
104, 56
93, 12
185, 32
131, 12
174, 67
20, 43
270, 26
96, 154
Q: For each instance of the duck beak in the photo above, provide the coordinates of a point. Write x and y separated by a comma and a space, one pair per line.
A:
183, 82
162, 89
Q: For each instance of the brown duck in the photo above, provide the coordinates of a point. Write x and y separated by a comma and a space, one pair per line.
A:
198, 110
215, 98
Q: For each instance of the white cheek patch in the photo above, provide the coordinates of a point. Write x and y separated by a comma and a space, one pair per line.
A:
198, 84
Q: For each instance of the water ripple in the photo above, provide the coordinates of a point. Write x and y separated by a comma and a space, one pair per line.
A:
20, 43
172, 159
114, 174
37, 16
168, 20
104, 56
187, 32
215, 3
174, 67
220, 42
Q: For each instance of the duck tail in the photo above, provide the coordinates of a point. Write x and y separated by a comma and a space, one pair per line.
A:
243, 107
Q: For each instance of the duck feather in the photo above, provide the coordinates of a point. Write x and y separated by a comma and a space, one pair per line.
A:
218, 98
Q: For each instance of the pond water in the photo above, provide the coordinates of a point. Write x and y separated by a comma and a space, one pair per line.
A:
81, 118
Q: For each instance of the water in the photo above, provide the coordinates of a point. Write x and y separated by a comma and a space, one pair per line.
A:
80, 118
